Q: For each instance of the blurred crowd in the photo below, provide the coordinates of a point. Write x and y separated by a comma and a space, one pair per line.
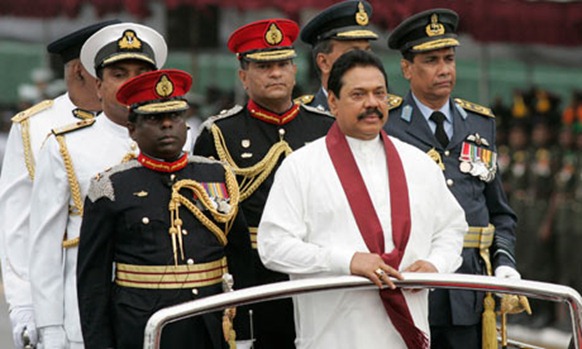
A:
540, 159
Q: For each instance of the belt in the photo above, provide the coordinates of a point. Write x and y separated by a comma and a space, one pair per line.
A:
171, 276
479, 237
253, 232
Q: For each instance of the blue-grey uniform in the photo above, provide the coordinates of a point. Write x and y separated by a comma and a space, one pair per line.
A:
479, 191
318, 100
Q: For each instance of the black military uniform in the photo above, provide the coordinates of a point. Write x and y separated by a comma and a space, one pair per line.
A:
171, 229
469, 165
254, 141
344, 21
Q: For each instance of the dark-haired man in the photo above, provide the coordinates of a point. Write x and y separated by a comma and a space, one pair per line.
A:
255, 138
336, 30
29, 130
460, 137
359, 202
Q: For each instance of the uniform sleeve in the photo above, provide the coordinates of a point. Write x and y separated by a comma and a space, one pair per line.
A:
48, 223
504, 219
94, 273
204, 145
283, 233
15, 191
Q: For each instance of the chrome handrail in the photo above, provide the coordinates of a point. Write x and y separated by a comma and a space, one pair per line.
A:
533, 289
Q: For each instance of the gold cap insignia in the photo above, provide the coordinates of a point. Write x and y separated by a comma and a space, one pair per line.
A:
164, 87
129, 41
361, 15
435, 28
274, 35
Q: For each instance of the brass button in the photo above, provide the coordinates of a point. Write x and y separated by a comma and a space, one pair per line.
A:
195, 291
450, 182
145, 220
447, 153
190, 261
184, 232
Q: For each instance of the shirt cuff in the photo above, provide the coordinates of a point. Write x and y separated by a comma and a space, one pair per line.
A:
340, 260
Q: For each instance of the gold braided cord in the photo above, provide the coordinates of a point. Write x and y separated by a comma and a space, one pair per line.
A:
28, 158
199, 192
72, 177
255, 175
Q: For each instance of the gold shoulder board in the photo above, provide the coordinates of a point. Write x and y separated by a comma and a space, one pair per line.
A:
73, 127
476, 108
393, 101
305, 99
35, 109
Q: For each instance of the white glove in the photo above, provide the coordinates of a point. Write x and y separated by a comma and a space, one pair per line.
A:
505, 272
53, 337
23, 318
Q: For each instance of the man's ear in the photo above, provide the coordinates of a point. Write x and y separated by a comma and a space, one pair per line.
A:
242, 75
405, 67
323, 63
131, 128
332, 101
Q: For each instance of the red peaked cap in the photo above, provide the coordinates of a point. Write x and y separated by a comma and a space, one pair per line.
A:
265, 40
154, 87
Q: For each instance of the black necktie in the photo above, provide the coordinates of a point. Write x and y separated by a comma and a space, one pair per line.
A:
440, 134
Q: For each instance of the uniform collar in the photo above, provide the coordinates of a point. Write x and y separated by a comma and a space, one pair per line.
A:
265, 115
163, 166
427, 111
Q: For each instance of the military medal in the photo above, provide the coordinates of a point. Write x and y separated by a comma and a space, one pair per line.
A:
478, 161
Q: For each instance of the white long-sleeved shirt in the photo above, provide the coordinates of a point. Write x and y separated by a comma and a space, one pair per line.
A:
308, 230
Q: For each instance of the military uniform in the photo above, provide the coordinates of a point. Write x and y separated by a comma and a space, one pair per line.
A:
126, 222
480, 194
255, 147
67, 162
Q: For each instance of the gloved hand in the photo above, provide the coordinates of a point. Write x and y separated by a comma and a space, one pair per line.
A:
23, 318
53, 337
505, 272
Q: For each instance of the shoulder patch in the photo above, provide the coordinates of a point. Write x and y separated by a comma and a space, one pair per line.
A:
35, 109
305, 99
101, 185
223, 114
73, 127
476, 108
393, 101
317, 110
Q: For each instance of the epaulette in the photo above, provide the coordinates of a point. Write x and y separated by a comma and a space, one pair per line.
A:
83, 114
73, 127
223, 114
35, 109
203, 160
393, 101
305, 99
317, 110
476, 108
101, 185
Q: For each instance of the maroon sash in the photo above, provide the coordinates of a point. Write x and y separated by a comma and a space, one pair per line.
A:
369, 224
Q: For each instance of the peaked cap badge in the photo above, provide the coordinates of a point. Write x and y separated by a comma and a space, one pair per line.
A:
129, 41
361, 16
164, 87
434, 28
274, 35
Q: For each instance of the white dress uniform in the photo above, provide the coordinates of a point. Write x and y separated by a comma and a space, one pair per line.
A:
91, 149
29, 130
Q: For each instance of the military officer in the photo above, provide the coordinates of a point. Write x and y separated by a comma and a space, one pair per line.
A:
29, 129
69, 158
254, 139
334, 31
460, 136
165, 214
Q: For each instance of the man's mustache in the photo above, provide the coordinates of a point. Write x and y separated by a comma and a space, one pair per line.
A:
371, 111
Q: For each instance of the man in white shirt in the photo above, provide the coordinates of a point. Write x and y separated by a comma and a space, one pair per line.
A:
332, 211
29, 130
67, 162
